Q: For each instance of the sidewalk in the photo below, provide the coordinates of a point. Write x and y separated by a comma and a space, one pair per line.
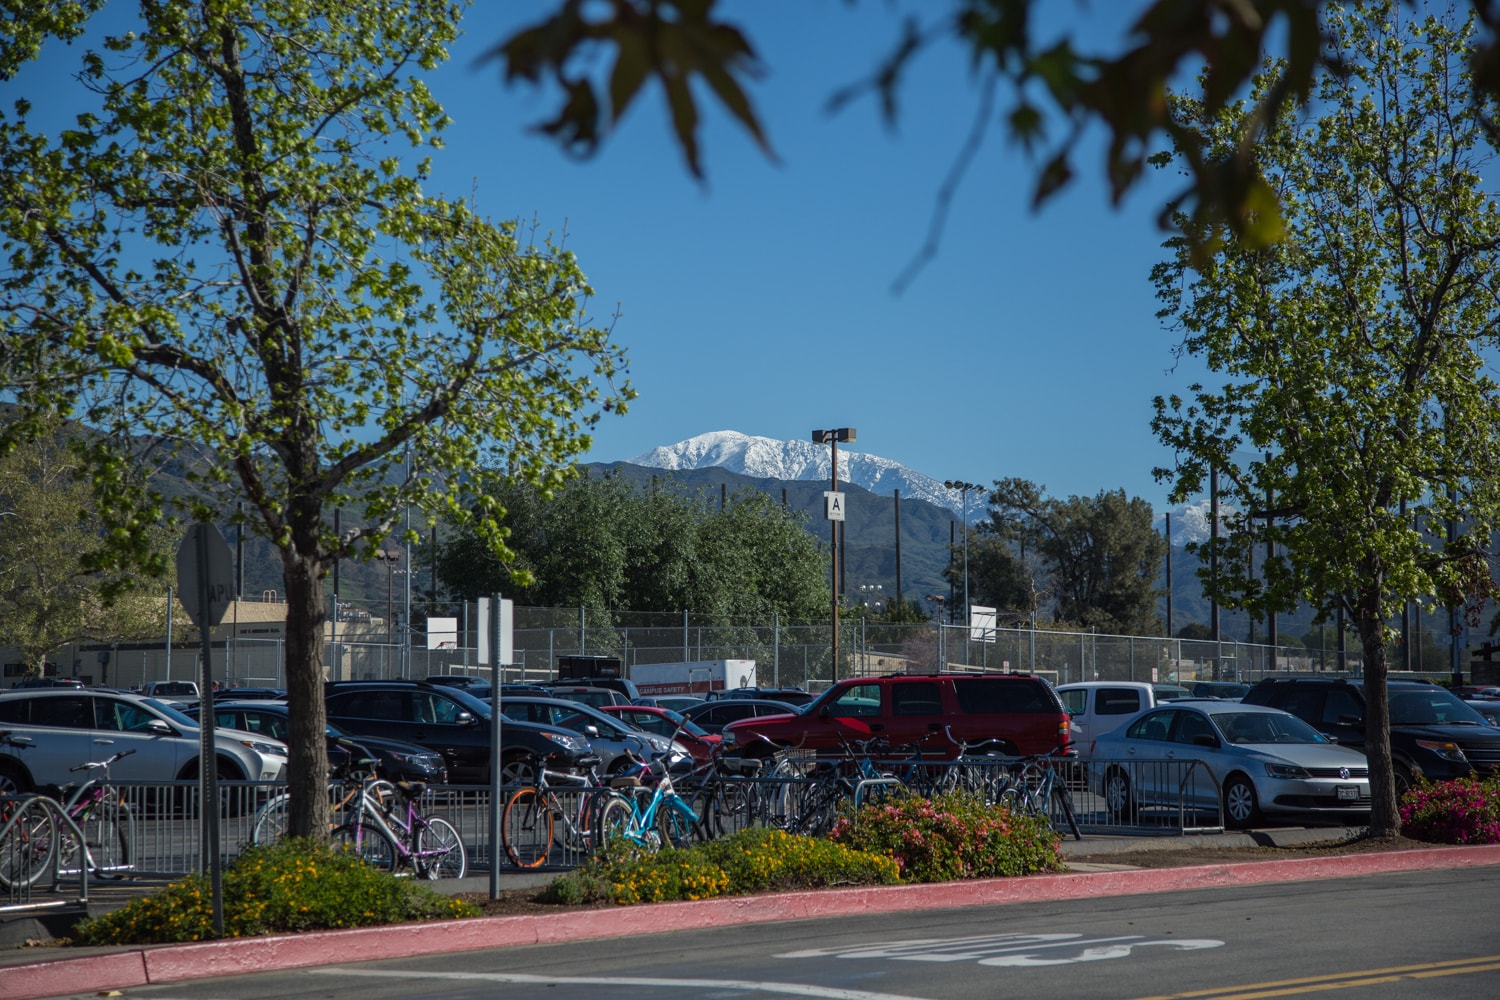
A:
29, 973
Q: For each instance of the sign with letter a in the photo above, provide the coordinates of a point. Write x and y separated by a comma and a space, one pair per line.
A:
833, 505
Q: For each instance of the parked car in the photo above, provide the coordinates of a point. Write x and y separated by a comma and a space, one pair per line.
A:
466, 681
1010, 714
185, 692
1231, 690
1487, 707
623, 685
715, 716
672, 702
610, 737
456, 725
1263, 761
1096, 708
68, 727
394, 760
673, 725
250, 694
1432, 732
591, 696
49, 682
790, 695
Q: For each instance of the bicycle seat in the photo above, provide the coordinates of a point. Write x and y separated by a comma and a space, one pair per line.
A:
411, 789
625, 781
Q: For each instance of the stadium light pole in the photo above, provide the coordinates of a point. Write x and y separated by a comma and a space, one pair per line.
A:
964, 489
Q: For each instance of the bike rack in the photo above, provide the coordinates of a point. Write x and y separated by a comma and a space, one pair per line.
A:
1182, 809
29, 803
864, 783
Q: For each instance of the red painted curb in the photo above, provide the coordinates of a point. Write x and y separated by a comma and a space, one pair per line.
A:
173, 963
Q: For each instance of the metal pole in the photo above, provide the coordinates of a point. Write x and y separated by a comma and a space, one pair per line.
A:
833, 531
168, 675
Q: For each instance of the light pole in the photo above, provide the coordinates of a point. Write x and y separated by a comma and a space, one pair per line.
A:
964, 489
389, 557
834, 511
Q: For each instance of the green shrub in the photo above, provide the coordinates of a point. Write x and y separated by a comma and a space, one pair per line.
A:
953, 836
292, 885
753, 860
1460, 811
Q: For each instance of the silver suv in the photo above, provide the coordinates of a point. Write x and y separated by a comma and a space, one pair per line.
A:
68, 727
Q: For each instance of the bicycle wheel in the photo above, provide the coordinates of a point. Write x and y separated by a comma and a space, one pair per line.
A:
107, 832
440, 850
614, 821
271, 820
372, 845
526, 829
675, 827
27, 851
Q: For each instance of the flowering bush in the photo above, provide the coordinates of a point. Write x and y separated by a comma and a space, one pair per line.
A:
956, 835
1460, 811
753, 860
292, 885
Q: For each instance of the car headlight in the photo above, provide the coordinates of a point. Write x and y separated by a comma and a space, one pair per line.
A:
569, 742
1286, 771
268, 749
1447, 751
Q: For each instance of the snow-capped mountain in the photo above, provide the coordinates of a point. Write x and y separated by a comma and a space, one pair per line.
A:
1191, 522
767, 458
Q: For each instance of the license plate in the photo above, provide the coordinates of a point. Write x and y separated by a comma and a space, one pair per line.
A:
1348, 793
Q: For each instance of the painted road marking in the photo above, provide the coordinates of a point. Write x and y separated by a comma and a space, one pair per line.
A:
1340, 980
787, 989
1014, 950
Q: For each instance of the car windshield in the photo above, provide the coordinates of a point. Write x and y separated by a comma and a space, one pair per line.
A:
480, 708
1430, 706
1265, 727
171, 711
684, 723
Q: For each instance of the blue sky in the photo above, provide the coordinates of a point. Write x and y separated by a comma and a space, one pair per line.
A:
762, 300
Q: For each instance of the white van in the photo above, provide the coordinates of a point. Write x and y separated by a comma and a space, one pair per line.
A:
1099, 707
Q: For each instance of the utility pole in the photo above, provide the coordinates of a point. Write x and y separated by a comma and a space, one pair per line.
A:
833, 509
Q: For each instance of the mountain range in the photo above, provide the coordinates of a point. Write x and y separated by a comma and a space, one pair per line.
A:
768, 458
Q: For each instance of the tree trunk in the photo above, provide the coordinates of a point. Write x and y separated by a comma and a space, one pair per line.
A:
307, 768
1385, 819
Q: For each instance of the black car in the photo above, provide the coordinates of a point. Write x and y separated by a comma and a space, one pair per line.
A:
713, 716
790, 695
394, 760
456, 725
1432, 731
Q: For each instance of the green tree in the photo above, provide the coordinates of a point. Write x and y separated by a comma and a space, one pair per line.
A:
1195, 630
1051, 88
230, 251
600, 544
50, 595
1101, 554
1356, 390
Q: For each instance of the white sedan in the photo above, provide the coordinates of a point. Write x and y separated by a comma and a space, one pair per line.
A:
1249, 759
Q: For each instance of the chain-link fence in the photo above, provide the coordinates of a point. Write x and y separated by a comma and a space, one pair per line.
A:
786, 654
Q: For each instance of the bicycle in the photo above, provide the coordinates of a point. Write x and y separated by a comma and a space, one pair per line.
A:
387, 836
359, 775
1032, 785
27, 834
664, 820
106, 823
536, 817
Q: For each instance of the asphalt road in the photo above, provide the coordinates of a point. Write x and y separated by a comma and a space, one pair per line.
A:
1409, 935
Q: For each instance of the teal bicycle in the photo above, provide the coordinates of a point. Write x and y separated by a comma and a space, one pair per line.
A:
649, 817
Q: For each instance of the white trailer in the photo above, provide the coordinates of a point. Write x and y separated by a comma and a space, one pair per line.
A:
696, 678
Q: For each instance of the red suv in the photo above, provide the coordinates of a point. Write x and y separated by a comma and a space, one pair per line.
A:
1011, 714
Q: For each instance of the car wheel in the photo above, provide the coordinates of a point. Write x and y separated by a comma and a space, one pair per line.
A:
1117, 793
1404, 779
13, 779
1240, 808
518, 770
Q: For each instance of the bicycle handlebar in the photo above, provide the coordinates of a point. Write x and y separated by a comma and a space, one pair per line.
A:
93, 764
